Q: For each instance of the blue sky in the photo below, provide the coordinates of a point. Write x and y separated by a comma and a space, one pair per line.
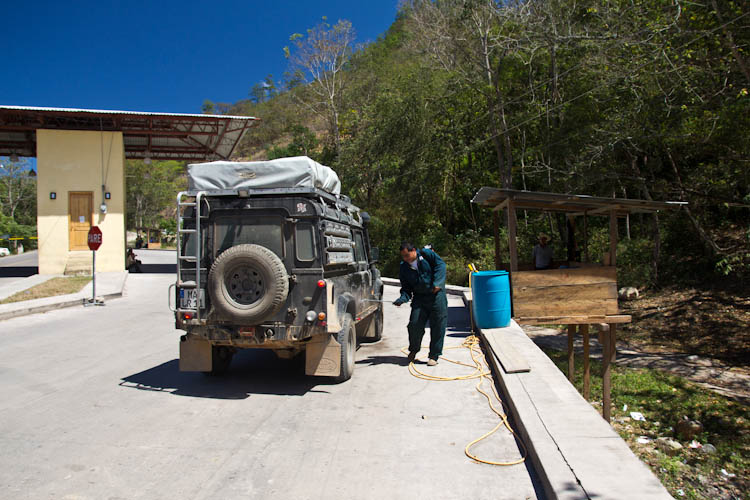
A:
158, 55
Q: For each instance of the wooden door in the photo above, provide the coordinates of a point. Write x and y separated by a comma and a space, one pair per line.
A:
79, 219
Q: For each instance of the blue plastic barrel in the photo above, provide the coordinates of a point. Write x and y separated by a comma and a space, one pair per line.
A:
491, 299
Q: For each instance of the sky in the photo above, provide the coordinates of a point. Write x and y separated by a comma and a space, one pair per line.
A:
159, 55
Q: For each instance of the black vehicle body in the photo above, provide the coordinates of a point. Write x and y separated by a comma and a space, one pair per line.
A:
285, 269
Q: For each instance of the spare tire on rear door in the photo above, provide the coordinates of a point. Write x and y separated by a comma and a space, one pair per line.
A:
248, 283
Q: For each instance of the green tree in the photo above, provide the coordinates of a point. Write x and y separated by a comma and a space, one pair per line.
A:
18, 191
152, 190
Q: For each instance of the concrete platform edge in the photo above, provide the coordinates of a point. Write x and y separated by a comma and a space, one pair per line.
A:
563, 473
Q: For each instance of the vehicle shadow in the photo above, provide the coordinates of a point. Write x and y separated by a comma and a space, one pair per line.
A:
251, 372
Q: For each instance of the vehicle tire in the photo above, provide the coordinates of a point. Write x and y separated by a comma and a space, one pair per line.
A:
375, 327
347, 337
248, 283
378, 320
221, 358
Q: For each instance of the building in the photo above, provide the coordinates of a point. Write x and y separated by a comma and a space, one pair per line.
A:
81, 157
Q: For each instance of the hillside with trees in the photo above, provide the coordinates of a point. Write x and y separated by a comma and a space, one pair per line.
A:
628, 99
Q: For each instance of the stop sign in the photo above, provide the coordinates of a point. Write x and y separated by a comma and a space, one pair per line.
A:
95, 238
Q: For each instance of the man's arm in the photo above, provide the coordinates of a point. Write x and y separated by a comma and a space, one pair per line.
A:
406, 290
438, 268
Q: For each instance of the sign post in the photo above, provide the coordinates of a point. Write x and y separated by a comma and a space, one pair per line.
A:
95, 241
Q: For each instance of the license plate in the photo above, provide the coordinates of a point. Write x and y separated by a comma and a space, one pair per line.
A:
189, 299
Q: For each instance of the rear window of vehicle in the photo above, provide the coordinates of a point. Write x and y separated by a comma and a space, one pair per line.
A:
235, 230
305, 241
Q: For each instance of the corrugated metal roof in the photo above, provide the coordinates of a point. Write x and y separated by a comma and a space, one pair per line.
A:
117, 112
159, 136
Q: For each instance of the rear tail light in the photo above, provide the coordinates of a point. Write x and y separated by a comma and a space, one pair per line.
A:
187, 316
321, 284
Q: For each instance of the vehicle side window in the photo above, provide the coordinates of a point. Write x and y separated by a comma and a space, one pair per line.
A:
359, 248
305, 241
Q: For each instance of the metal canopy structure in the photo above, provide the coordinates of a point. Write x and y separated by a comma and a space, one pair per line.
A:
158, 136
574, 204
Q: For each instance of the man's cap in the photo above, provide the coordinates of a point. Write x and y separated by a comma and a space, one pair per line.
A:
543, 236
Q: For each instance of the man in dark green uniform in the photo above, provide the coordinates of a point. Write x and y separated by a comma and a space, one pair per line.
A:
422, 275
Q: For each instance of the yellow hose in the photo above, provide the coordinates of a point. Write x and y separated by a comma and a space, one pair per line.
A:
481, 372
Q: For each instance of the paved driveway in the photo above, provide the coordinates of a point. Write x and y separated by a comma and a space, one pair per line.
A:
92, 405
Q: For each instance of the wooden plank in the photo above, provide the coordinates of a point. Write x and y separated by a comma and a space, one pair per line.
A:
508, 357
586, 362
576, 276
567, 293
600, 307
571, 354
572, 320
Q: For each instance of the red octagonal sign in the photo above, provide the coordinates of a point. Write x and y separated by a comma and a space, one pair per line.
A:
95, 238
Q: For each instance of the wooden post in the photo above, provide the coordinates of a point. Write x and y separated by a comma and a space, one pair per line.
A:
586, 365
512, 235
586, 237
613, 238
571, 354
613, 341
495, 223
606, 378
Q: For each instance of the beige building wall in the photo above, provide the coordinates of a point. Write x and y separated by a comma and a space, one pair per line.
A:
80, 161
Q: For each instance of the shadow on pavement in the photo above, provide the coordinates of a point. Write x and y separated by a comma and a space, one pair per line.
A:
18, 271
251, 372
383, 360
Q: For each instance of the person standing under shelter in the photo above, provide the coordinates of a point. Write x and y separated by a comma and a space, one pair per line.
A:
422, 276
542, 253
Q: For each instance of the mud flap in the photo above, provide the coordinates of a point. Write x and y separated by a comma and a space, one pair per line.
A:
195, 355
323, 356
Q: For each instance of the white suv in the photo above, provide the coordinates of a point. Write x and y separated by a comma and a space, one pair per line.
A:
4, 251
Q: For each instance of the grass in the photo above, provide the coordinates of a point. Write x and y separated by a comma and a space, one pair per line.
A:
664, 399
50, 288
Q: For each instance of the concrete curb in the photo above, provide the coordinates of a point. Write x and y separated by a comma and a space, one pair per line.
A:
115, 284
576, 454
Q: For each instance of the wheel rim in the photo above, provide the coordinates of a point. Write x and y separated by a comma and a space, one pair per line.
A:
245, 285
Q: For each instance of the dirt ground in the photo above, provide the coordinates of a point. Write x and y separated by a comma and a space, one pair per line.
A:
700, 334
711, 322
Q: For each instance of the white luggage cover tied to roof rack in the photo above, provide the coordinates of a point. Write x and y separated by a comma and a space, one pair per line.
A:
298, 171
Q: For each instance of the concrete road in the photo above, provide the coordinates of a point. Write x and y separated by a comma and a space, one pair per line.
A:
92, 405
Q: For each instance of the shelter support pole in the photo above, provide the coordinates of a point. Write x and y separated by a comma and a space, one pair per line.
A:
613, 238
571, 354
512, 235
606, 378
586, 237
586, 365
496, 223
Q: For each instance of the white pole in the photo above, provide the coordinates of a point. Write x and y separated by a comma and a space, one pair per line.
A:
93, 275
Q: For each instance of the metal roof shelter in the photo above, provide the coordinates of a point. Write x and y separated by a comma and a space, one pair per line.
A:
158, 136
576, 294
575, 204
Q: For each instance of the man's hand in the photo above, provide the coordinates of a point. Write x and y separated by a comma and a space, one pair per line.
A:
398, 302
435, 289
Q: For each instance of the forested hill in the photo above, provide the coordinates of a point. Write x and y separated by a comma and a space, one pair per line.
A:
633, 99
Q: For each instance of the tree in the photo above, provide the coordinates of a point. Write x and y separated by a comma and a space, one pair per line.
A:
151, 190
322, 55
18, 191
